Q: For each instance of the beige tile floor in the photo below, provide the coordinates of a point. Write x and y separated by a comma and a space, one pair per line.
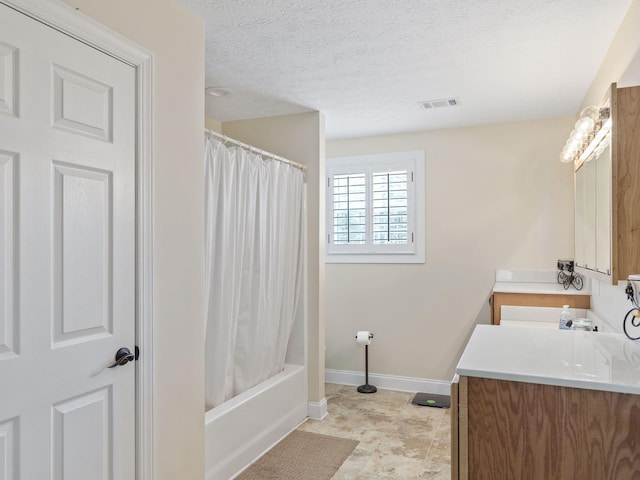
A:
398, 440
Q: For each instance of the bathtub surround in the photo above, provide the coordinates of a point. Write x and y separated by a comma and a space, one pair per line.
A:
239, 431
253, 264
254, 259
245, 427
301, 138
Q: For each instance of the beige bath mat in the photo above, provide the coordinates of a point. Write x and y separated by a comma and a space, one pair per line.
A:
301, 456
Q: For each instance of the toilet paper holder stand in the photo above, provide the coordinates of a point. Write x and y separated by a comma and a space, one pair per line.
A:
366, 388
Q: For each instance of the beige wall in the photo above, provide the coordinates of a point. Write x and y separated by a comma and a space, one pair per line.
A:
623, 51
213, 124
496, 197
621, 65
176, 37
300, 138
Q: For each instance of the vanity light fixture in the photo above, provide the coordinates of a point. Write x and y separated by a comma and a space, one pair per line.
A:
592, 126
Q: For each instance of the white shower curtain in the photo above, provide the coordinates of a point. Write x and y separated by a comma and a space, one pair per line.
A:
254, 257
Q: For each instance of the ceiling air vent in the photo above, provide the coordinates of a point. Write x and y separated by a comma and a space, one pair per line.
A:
443, 102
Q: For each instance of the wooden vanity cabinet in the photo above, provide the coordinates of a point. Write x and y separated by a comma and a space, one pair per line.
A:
506, 430
455, 429
499, 299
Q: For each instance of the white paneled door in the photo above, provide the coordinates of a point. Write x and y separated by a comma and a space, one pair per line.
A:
67, 256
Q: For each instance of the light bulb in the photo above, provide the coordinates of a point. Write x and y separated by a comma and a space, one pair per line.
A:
585, 124
578, 137
591, 112
566, 156
573, 146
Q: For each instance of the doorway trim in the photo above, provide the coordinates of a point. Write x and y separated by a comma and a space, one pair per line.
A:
65, 19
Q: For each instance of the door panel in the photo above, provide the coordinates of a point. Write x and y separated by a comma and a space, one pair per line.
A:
72, 446
8, 277
67, 172
81, 104
8, 447
8, 80
82, 252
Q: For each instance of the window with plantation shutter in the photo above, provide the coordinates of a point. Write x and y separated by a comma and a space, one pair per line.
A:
375, 208
390, 207
349, 209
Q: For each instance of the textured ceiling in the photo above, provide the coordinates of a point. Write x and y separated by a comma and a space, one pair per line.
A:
366, 63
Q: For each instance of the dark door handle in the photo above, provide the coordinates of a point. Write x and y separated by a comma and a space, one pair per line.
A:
123, 356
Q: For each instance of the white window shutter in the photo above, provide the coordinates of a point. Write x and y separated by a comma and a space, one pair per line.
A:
374, 208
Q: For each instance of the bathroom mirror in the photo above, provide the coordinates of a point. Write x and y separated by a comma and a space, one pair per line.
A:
593, 211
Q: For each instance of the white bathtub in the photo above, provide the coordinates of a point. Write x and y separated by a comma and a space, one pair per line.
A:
243, 428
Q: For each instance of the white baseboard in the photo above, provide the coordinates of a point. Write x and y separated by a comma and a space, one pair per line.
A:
389, 382
318, 410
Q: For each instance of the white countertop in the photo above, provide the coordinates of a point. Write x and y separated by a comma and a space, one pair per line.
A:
537, 287
568, 358
534, 281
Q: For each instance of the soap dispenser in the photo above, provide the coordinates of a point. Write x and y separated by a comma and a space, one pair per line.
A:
565, 318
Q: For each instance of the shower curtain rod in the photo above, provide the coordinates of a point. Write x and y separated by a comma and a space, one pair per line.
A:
251, 148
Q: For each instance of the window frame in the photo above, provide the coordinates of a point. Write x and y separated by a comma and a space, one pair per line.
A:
369, 252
